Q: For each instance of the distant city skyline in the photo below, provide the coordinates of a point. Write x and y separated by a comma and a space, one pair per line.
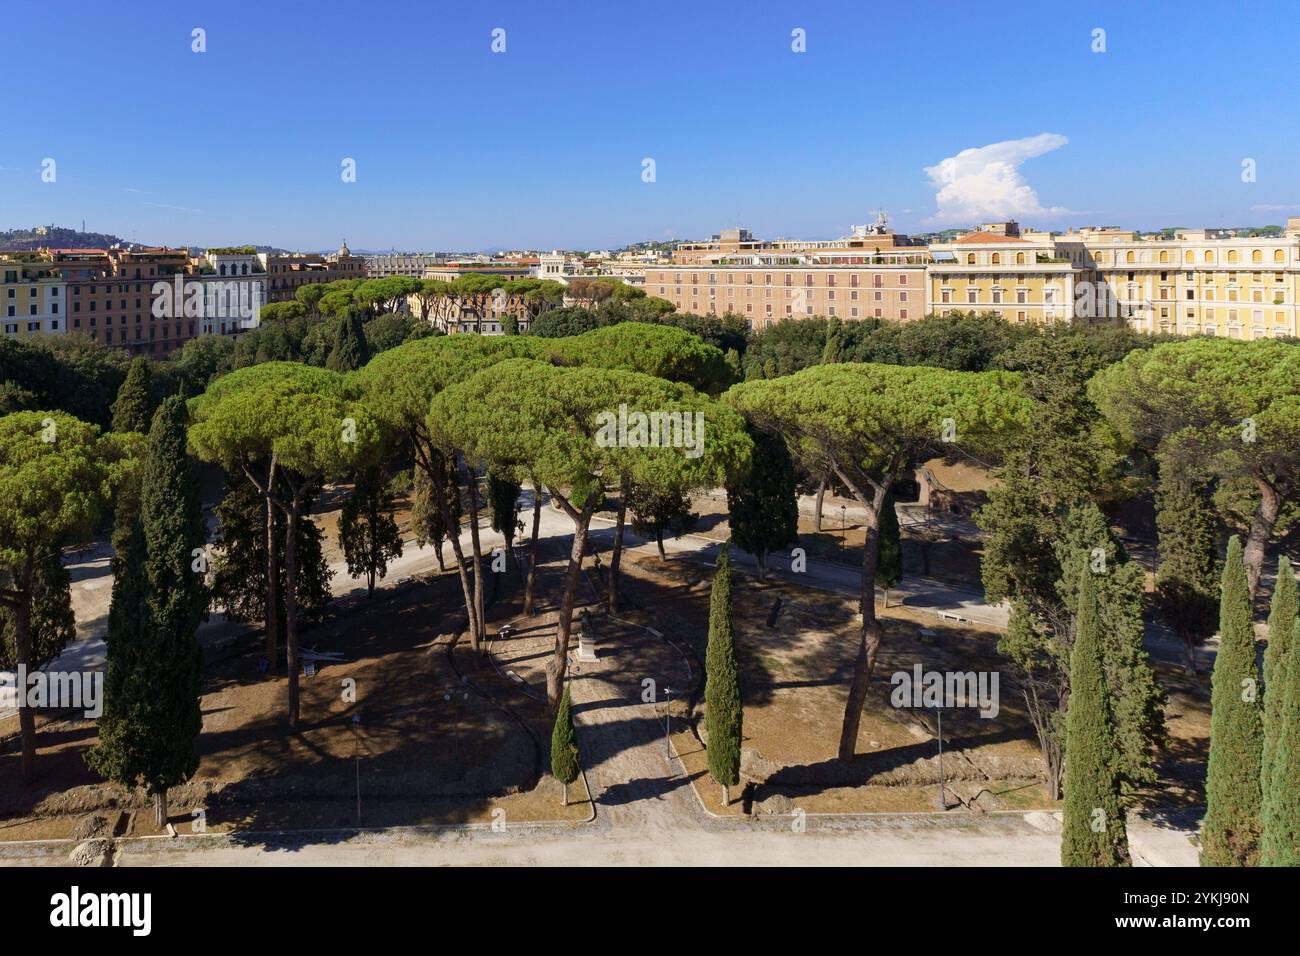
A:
942, 116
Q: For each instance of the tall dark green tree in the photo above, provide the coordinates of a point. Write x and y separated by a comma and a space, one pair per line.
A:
1280, 840
239, 567
426, 518
151, 713
1230, 834
503, 507
1281, 619
1187, 580
763, 504
723, 712
889, 565
368, 532
53, 624
1094, 831
565, 761
658, 513
134, 407
351, 350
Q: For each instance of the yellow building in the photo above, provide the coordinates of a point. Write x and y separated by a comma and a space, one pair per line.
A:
33, 297
1022, 280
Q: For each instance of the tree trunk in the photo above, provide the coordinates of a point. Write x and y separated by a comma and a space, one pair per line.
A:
437, 481
291, 609
726, 795
566, 793
441, 566
23, 639
616, 558
869, 646
761, 560
559, 662
480, 631
1261, 530
659, 540
272, 579
160, 808
532, 550
817, 506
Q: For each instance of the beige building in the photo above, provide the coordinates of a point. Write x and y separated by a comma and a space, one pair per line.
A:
997, 270
284, 274
34, 296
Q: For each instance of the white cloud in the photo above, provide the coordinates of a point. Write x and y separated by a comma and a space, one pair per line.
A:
984, 183
1275, 207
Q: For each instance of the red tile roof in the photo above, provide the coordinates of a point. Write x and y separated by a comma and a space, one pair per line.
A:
973, 238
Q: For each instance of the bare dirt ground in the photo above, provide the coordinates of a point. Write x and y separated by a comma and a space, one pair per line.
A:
431, 749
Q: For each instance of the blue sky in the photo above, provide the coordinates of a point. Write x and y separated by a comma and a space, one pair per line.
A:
459, 148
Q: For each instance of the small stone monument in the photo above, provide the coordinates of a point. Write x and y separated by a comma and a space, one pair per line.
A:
586, 638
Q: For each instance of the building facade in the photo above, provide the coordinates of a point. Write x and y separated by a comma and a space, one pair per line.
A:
286, 273
34, 297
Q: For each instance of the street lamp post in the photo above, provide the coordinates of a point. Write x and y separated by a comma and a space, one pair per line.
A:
356, 756
668, 717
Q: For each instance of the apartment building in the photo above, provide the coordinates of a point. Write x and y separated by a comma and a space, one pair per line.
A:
995, 269
401, 264
233, 290
1195, 282
769, 288
285, 273
34, 297
111, 296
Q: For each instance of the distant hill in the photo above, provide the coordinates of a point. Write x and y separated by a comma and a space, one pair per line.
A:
57, 237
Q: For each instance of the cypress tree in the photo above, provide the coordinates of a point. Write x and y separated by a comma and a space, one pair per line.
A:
1280, 840
723, 713
426, 517
565, 763
133, 409
1281, 618
503, 497
889, 560
351, 351
1187, 585
368, 532
763, 506
1094, 832
151, 713
1230, 835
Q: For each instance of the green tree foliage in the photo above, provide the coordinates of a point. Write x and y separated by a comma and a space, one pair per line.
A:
762, 503
565, 760
1280, 840
1187, 578
53, 623
1281, 619
392, 329
503, 506
54, 472
552, 424
1093, 830
1059, 468
870, 424
239, 565
351, 351
70, 373
152, 716
889, 565
307, 425
1230, 834
368, 532
657, 512
723, 713
133, 410
426, 519
1216, 406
